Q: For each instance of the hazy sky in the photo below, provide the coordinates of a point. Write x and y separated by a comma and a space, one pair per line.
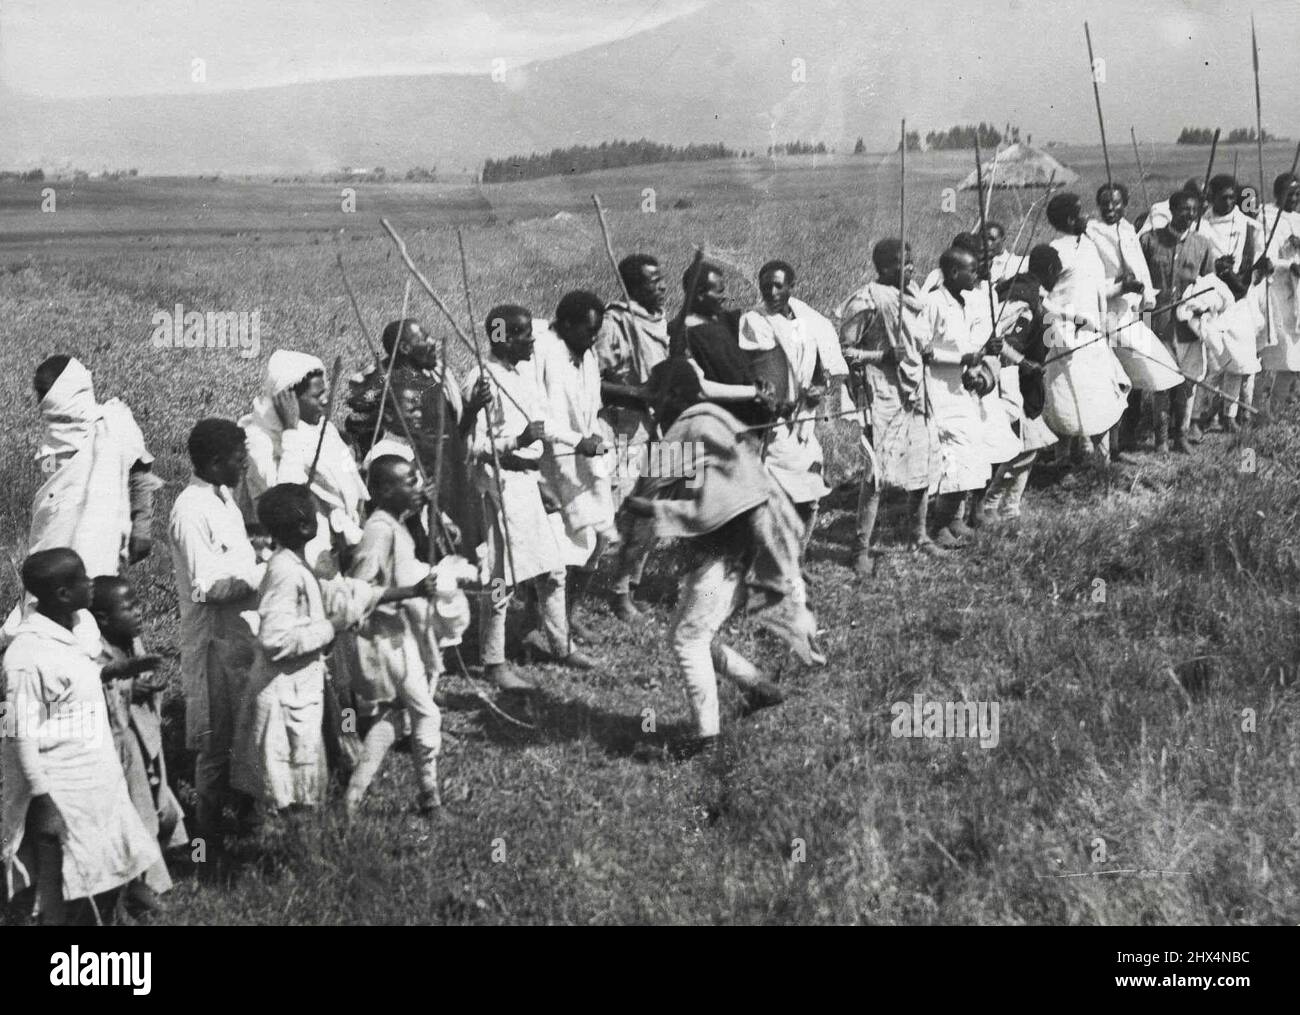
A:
1169, 63
67, 48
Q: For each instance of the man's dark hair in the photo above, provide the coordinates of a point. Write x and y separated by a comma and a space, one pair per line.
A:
951, 258
46, 571
630, 268
994, 224
706, 268
302, 386
1182, 197
1061, 209
105, 587
48, 372
968, 242
1222, 182
777, 266
885, 251
504, 313
1283, 183
1044, 261
379, 473
1119, 188
1192, 185
574, 307
212, 439
283, 508
394, 331
675, 376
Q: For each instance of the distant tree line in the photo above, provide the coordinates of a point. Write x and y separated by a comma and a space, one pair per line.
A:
606, 155
1238, 135
38, 175
965, 137
797, 148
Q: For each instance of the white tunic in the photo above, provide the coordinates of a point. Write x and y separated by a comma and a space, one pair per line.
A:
217, 577
61, 745
572, 401
1282, 342
954, 328
533, 547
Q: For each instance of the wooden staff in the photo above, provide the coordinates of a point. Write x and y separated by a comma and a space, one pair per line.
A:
613, 263
1205, 187
1096, 95
1142, 173
984, 239
438, 302
492, 444
1259, 150
397, 408
392, 361
336, 375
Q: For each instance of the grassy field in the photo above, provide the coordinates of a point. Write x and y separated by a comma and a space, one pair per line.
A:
1123, 633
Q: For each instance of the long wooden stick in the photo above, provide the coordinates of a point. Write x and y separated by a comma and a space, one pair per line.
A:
336, 374
613, 263
392, 362
1142, 173
984, 240
438, 302
492, 444
1096, 95
1259, 150
1205, 188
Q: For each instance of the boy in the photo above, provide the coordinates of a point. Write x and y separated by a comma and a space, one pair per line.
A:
399, 647
69, 829
136, 721
217, 577
744, 532
280, 754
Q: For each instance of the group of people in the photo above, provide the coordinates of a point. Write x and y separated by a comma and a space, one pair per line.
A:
324, 574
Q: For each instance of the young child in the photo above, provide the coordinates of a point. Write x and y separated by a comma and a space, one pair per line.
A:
399, 646
68, 830
279, 755
135, 718
744, 533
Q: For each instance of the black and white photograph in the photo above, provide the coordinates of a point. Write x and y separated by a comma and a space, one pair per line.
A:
651, 463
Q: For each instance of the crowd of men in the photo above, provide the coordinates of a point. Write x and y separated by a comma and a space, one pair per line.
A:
324, 573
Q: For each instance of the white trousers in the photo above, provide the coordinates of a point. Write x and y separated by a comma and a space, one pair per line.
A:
710, 594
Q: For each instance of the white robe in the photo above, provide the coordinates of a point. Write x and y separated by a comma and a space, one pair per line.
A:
1281, 340
571, 397
87, 451
954, 328
276, 455
64, 747
793, 453
533, 547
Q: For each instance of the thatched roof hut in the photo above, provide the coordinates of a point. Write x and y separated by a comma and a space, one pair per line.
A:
1019, 165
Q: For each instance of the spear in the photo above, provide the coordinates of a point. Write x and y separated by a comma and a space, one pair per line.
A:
492, 444
335, 375
1205, 187
613, 263
1096, 95
1259, 150
984, 235
392, 361
1142, 173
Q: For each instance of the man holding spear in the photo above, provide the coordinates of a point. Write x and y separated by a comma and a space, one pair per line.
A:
521, 544
632, 341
